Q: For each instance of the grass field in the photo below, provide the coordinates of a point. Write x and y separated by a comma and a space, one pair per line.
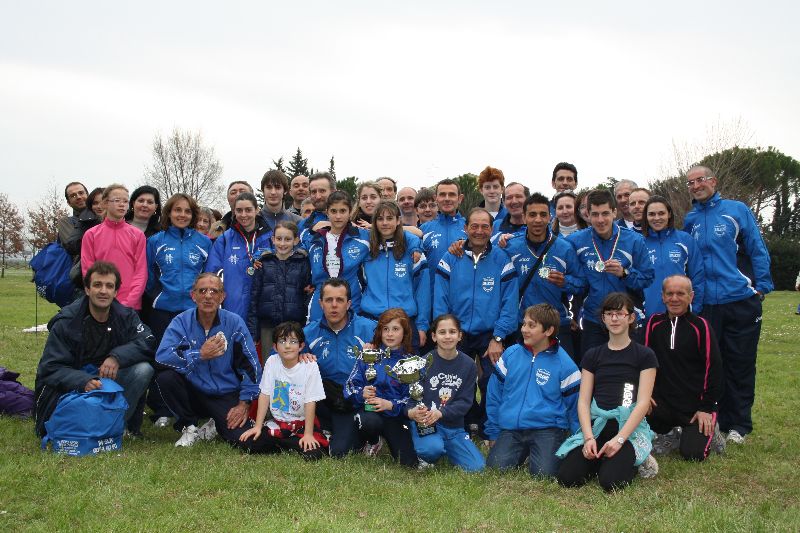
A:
210, 487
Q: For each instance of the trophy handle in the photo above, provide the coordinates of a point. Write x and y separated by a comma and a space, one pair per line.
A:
357, 352
389, 371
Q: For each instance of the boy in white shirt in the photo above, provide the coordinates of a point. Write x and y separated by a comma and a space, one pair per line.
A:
289, 390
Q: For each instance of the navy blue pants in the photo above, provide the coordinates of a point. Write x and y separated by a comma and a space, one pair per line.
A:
344, 435
738, 328
475, 346
593, 334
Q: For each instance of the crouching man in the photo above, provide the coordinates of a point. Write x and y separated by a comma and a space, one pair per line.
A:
213, 370
94, 337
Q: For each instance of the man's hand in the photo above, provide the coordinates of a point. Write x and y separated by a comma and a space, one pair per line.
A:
705, 422
364, 225
308, 289
503, 240
92, 384
457, 248
494, 351
556, 278
237, 415
213, 347
614, 267
307, 358
422, 338
109, 368
320, 225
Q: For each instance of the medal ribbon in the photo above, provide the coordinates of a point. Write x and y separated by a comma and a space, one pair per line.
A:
249, 246
613, 248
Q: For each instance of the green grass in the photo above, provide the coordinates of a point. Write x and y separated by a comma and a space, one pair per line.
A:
210, 487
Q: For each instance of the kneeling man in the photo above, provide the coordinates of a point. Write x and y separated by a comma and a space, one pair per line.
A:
94, 337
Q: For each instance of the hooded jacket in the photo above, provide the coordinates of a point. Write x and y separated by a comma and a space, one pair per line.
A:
60, 368
672, 252
532, 391
735, 258
174, 259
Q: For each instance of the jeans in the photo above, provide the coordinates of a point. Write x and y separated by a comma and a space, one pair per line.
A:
452, 442
538, 445
134, 379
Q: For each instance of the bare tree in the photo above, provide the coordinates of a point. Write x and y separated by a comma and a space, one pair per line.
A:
183, 163
43, 220
11, 225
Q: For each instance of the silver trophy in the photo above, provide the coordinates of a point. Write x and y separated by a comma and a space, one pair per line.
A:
370, 356
409, 371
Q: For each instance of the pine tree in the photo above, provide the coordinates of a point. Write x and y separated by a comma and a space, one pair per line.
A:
298, 165
279, 165
331, 169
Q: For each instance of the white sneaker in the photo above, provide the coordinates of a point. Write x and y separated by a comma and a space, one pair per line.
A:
161, 422
188, 437
423, 465
649, 468
735, 437
371, 450
207, 431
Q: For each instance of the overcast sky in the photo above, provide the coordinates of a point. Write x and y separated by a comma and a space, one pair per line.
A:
413, 90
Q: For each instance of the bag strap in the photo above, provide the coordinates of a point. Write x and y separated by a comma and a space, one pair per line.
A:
532, 271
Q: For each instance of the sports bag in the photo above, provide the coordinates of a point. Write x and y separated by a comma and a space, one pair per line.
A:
87, 423
51, 267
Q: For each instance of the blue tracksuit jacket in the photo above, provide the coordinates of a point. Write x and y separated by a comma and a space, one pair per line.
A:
389, 283
305, 226
386, 386
174, 259
561, 257
334, 351
528, 391
735, 258
631, 252
484, 295
673, 251
438, 234
237, 369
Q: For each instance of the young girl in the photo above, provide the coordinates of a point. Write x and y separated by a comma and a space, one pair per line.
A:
616, 385
290, 391
337, 252
392, 277
368, 196
385, 397
235, 252
449, 389
278, 291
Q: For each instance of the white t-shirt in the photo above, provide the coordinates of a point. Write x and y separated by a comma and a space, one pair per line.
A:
289, 389
332, 261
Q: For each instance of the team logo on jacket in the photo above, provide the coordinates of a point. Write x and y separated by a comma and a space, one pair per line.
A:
400, 270
233, 259
488, 284
194, 258
353, 252
675, 255
720, 229
317, 257
542, 376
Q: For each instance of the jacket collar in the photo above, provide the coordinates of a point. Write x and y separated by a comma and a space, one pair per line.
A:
449, 219
323, 322
711, 202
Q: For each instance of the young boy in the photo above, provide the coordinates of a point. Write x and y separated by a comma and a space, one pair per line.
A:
290, 390
532, 397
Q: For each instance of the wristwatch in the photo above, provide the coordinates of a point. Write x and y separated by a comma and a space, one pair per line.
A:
498, 338
620, 440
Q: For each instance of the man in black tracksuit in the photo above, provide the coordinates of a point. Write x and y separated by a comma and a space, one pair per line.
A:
689, 382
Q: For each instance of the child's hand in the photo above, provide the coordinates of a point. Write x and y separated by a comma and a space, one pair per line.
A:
417, 414
431, 417
368, 346
257, 264
309, 289
368, 392
253, 432
380, 404
308, 442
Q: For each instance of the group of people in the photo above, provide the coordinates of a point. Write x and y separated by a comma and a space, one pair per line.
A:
588, 315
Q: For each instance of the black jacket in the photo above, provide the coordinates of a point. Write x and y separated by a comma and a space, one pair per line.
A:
59, 369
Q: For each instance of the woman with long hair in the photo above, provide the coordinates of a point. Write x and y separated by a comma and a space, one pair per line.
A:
368, 196
568, 218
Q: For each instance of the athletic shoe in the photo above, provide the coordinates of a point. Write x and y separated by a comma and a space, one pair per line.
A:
718, 441
424, 465
649, 468
664, 443
371, 450
132, 434
207, 431
734, 437
188, 437
474, 431
161, 422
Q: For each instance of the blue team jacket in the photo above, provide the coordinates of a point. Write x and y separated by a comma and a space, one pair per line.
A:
386, 386
561, 257
305, 225
483, 295
229, 259
631, 252
174, 259
389, 283
529, 391
438, 234
237, 369
334, 351
354, 243
735, 258
673, 251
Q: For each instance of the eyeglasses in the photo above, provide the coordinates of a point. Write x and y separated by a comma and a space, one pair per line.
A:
615, 315
209, 290
288, 342
697, 181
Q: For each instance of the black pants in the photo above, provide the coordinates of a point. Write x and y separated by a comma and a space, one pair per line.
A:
344, 437
158, 320
593, 334
694, 446
188, 404
612, 473
475, 345
738, 328
394, 429
272, 444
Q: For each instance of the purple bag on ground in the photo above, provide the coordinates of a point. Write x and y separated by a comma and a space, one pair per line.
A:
15, 398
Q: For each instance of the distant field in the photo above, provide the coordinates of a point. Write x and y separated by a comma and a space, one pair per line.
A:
152, 486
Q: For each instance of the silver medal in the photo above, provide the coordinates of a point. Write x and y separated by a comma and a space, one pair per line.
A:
599, 266
544, 272
251, 271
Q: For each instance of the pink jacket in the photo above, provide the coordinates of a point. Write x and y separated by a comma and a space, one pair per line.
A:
125, 246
